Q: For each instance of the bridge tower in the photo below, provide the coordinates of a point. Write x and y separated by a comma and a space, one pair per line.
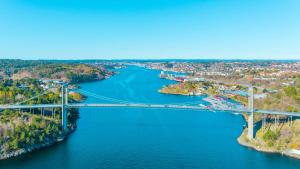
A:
64, 111
250, 133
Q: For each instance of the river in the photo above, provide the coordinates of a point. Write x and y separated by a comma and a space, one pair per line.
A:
138, 138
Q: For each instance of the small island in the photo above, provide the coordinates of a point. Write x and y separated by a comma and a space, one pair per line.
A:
188, 88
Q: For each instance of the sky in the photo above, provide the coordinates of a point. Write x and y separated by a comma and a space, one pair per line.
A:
150, 29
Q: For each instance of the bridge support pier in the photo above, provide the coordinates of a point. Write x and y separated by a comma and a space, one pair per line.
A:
250, 133
64, 111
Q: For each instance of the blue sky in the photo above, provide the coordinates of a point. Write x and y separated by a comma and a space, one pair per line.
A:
150, 29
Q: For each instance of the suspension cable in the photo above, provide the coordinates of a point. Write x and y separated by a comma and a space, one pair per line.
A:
103, 97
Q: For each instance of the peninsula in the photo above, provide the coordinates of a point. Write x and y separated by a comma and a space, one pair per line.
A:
26, 130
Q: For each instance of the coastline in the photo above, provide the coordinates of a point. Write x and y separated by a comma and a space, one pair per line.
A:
48, 143
242, 140
248, 144
183, 94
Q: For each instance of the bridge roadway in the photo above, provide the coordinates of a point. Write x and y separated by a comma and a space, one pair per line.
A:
142, 105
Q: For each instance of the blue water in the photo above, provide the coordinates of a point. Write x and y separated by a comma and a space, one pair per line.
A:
135, 138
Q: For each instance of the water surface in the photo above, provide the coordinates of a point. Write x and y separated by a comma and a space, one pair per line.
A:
136, 138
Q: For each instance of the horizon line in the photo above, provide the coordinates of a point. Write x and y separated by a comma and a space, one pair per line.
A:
145, 59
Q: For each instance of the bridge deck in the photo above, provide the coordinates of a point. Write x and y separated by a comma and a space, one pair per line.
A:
140, 105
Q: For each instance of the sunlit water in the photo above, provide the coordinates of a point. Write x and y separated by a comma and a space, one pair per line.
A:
136, 138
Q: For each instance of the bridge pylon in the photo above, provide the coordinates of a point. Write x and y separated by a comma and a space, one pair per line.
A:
64, 110
250, 133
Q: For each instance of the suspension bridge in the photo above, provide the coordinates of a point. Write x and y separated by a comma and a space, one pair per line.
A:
65, 105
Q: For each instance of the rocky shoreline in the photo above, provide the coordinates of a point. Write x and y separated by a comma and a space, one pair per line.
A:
184, 94
248, 144
48, 143
294, 153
